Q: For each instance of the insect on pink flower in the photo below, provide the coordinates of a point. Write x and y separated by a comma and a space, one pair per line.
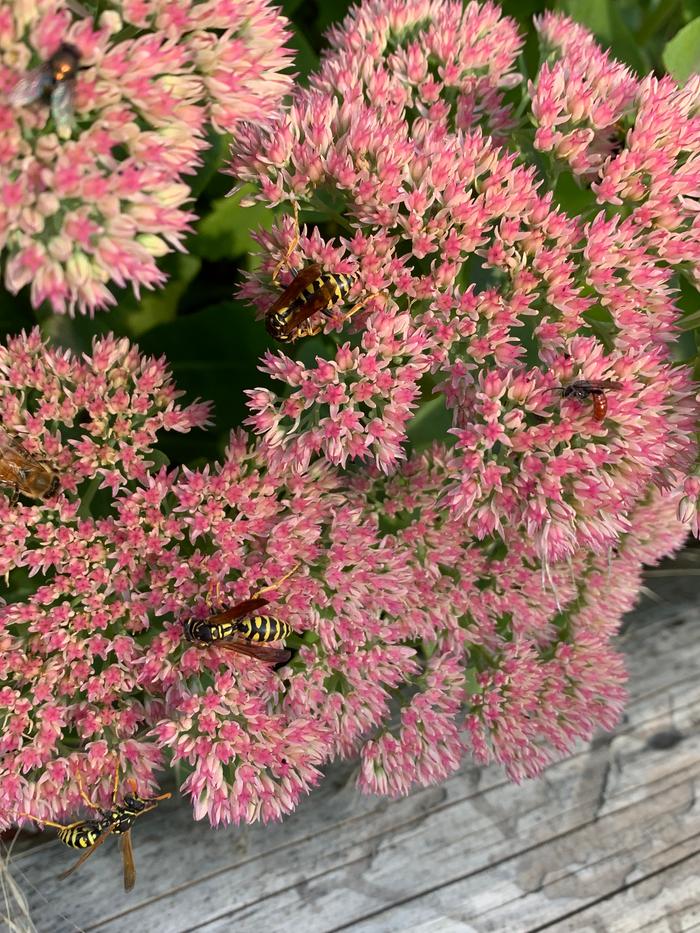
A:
94, 183
466, 520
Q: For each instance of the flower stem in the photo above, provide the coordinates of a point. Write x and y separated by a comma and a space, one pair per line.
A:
86, 500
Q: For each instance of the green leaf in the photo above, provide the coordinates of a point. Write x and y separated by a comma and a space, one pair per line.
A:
161, 306
329, 13
306, 60
602, 17
213, 354
77, 333
681, 56
226, 231
471, 683
685, 348
213, 159
689, 302
691, 9
431, 422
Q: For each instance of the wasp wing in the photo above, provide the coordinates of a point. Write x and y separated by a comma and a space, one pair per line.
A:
86, 855
128, 859
264, 653
595, 385
315, 304
62, 108
300, 281
608, 384
239, 610
30, 87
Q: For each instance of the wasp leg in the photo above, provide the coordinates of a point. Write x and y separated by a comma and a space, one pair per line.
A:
115, 785
284, 261
214, 595
360, 304
274, 585
37, 819
88, 801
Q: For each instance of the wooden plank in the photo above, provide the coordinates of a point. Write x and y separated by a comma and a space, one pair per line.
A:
189, 874
668, 900
381, 851
467, 873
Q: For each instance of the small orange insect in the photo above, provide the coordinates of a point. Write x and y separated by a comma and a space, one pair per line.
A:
584, 389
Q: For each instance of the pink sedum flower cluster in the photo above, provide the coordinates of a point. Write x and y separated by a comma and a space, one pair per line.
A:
447, 598
417, 131
81, 214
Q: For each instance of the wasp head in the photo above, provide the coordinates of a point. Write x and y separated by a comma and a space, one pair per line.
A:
197, 630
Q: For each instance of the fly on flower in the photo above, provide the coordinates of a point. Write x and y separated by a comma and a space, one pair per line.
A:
584, 389
240, 632
23, 472
117, 821
55, 81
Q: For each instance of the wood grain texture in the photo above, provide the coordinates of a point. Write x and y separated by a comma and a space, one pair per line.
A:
607, 840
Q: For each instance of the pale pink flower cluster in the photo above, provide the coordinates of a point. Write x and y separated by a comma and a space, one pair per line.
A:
459, 598
237, 48
580, 98
511, 641
93, 662
429, 202
69, 649
432, 196
81, 214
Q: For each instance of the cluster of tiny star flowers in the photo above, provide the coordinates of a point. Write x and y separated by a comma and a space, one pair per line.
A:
88, 208
445, 600
93, 659
485, 300
518, 663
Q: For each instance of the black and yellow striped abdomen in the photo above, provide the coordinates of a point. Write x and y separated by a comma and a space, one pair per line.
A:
330, 288
82, 835
290, 317
263, 628
254, 628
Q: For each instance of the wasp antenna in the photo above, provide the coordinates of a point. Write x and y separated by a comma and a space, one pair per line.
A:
284, 261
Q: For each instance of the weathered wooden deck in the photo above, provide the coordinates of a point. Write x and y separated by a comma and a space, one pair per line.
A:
608, 840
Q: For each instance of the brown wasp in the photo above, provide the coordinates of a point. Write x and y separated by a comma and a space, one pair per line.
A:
309, 299
584, 389
241, 630
55, 81
117, 821
22, 471
312, 292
